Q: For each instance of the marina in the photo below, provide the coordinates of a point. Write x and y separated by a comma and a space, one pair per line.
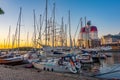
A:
49, 46
108, 68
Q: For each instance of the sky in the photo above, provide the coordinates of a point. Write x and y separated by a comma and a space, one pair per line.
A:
105, 14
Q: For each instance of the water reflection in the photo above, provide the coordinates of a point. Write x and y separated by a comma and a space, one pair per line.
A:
110, 67
107, 68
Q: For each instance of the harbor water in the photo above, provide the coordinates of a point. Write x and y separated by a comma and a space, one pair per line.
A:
109, 68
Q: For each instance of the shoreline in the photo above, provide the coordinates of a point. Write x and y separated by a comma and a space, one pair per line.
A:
21, 73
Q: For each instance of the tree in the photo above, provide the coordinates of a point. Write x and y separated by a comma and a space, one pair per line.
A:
1, 11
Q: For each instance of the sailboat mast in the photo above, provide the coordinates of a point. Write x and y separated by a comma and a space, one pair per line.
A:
48, 32
65, 35
13, 40
81, 34
46, 23
19, 27
81, 22
4, 44
34, 30
27, 39
8, 45
53, 29
85, 20
70, 29
76, 33
40, 27
62, 32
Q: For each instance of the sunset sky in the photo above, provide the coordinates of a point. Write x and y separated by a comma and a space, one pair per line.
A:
105, 14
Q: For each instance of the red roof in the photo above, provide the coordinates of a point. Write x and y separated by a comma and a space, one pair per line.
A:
93, 29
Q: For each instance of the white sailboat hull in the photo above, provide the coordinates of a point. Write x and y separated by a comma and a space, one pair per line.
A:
54, 67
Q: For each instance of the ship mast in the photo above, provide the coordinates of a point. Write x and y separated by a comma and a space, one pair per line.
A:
27, 39
81, 35
62, 32
74, 40
48, 33
46, 23
34, 29
70, 29
40, 27
65, 35
81, 22
19, 27
8, 45
4, 44
53, 28
85, 20
14, 37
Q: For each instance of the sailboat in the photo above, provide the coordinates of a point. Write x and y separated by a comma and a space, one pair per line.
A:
50, 32
33, 55
12, 60
11, 57
67, 64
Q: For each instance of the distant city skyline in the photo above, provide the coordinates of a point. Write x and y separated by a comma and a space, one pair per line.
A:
104, 14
